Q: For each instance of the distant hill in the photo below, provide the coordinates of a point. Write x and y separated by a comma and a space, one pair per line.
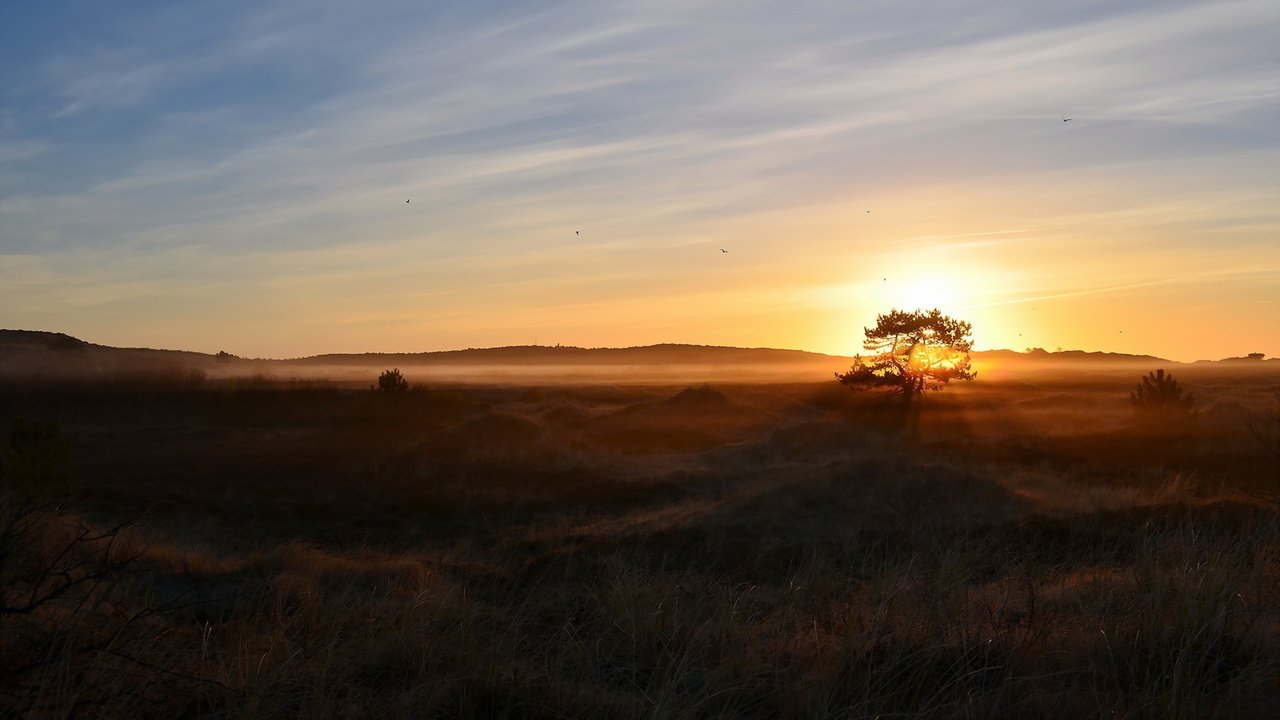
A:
31, 352
1250, 359
1038, 355
34, 352
663, 354
36, 341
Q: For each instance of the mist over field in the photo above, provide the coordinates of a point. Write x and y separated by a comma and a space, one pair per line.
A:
507, 536
30, 354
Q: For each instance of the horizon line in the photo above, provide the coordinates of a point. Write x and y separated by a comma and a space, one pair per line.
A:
562, 346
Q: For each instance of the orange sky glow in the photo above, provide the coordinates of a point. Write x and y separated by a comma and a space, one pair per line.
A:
575, 173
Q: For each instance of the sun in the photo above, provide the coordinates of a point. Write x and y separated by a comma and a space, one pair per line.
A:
925, 293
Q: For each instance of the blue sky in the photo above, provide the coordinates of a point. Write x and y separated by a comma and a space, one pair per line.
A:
233, 175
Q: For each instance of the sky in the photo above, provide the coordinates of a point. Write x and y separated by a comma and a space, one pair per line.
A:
233, 175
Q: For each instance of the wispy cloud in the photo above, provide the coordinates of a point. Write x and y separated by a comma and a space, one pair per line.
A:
206, 147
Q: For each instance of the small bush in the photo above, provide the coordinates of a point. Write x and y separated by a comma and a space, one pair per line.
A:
1160, 401
392, 382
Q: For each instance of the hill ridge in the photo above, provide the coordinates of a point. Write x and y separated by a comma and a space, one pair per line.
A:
19, 340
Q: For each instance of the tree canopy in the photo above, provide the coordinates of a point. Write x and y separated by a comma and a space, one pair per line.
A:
912, 352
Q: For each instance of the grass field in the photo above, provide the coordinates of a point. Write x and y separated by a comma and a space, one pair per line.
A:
257, 548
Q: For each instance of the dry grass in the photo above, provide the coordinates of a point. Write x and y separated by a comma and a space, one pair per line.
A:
741, 551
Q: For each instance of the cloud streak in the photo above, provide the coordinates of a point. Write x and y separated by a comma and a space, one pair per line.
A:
661, 128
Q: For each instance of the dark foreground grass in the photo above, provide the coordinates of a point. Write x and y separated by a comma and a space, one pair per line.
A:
743, 552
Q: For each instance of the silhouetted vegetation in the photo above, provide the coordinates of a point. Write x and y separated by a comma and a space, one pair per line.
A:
914, 352
637, 551
59, 577
392, 382
1160, 402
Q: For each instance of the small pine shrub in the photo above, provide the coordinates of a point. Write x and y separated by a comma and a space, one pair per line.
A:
1160, 400
392, 382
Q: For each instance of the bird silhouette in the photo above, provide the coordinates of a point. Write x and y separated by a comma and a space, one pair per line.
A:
1065, 118
723, 250
406, 202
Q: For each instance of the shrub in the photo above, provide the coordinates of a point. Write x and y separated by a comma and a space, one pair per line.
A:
392, 382
1159, 399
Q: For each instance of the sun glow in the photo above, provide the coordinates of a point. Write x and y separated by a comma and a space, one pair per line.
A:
921, 293
938, 357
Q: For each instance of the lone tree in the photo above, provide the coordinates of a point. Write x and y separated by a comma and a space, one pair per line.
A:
912, 352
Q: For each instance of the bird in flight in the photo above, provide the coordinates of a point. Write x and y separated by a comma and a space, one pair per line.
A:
406, 202
577, 232
723, 250
1065, 118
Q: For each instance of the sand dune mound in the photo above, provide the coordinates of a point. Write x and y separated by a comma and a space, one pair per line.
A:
702, 404
493, 435
694, 418
566, 416
702, 398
